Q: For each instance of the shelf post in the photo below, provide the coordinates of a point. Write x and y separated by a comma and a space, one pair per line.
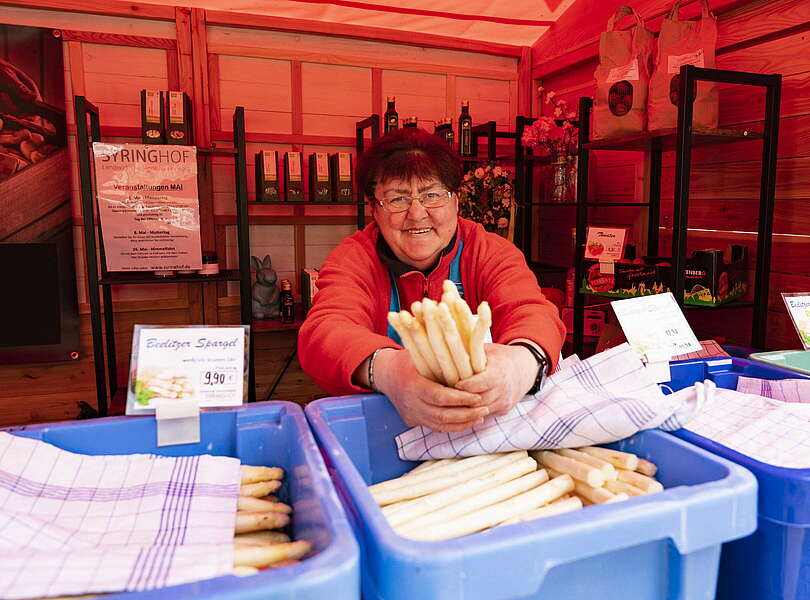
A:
372, 122
83, 108
683, 171
654, 208
583, 157
767, 192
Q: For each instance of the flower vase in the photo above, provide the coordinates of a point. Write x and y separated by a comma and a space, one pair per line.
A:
562, 179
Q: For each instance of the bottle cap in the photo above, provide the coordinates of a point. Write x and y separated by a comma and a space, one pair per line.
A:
465, 103
391, 98
286, 285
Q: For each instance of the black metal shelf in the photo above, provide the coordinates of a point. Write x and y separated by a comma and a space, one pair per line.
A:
302, 203
681, 140
698, 307
140, 277
100, 281
641, 204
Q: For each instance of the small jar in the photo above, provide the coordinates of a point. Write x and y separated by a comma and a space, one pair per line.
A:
210, 264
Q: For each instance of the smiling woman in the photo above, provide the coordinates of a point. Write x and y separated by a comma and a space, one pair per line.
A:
417, 241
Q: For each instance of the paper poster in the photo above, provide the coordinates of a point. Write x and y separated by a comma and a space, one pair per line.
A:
798, 307
605, 243
204, 365
655, 326
148, 206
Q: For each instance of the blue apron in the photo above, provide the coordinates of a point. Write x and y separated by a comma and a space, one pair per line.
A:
455, 277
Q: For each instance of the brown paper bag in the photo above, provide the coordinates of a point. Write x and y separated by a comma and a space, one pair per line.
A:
683, 43
620, 106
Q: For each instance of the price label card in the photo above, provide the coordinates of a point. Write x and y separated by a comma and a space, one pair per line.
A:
798, 307
655, 326
605, 243
203, 365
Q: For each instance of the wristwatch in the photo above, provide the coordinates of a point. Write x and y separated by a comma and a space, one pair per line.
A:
542, 364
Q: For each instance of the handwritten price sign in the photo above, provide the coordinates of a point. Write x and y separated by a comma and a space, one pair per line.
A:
655, 325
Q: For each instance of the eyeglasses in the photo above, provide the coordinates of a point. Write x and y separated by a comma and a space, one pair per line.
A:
398, 204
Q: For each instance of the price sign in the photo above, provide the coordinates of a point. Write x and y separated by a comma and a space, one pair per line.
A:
655, 325
196, 364
798, 306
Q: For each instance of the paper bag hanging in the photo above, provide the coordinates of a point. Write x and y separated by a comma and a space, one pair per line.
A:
683, 43
620, 106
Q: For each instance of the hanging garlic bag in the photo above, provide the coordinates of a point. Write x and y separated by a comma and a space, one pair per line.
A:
622, 77
683, 43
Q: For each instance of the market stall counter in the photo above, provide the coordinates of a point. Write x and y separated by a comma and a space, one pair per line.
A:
269, 434
774, 562
664, 545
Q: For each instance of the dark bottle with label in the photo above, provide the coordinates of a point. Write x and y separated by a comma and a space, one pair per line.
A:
448, 133
411, 122
287, 302
439, 129
391, 118
465, 143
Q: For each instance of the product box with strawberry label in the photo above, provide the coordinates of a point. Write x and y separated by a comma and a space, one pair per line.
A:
708, 279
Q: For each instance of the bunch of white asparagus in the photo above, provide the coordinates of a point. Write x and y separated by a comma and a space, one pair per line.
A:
445, 341
442, 499
257, 542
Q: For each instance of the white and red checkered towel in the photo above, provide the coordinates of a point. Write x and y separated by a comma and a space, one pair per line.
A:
77, 524
605, 398
784, 390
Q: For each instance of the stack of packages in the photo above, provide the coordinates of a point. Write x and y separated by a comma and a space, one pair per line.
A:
637, 89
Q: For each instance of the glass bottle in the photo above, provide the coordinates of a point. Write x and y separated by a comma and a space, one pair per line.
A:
287, 302
391, 118
465, 144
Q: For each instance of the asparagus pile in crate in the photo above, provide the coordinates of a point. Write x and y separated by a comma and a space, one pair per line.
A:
442, 499
258, 540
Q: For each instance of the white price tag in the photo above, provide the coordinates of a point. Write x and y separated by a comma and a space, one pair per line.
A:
798, 305
655, 326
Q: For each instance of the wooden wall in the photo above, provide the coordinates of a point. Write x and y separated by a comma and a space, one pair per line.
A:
301, 91
766, 36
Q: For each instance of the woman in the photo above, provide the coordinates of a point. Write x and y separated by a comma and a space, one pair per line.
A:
416, 241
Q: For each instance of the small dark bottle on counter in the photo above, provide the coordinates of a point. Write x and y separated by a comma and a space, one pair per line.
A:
411, 122
391, 117
448, 133
465, 145
287, 302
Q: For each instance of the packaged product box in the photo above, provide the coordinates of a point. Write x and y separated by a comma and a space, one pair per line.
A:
341, 169
708, 279
309, 287
320, 188
178, 119
293, 177
595, 321
266, 166
153, 124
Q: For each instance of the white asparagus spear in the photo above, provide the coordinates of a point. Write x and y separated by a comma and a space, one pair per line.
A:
438, 483
275, 537
647, 468
251, 474
416, 309
251, 503
445, 469
608, 469
646, 484
435, 336
452, 299
498, 474
497, 513
454, 342
588, 494
263, 556
622, 460
586, 473
429, 465
464, 320
420, 339
257, 490
408, 342
622, 487
492, 496
254, 520
245, 571
478, 357
558, 507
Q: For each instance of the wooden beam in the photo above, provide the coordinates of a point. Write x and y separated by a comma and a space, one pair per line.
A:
377, 34
287, 138
117, 39
525, 82
99, 7
377, 103
185, 70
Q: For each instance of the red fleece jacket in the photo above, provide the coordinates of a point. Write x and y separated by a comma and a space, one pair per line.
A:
349, 316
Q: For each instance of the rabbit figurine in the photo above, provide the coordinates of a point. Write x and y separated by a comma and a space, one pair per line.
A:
265, 296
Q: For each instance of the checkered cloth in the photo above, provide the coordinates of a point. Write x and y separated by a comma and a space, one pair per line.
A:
76, 524
785, 390
605, 398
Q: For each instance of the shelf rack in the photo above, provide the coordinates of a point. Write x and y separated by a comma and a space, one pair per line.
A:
681, 140
100, 280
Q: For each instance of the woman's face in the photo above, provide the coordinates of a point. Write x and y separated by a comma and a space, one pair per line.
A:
418, 235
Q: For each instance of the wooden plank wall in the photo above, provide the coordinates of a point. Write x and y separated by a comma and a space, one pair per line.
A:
301, 92
764, 37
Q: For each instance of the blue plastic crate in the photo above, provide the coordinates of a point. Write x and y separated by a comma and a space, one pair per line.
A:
663, 546
774, 562
267, 433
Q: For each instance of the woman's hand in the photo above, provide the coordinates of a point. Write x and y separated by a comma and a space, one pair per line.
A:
511, 372
420, 401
